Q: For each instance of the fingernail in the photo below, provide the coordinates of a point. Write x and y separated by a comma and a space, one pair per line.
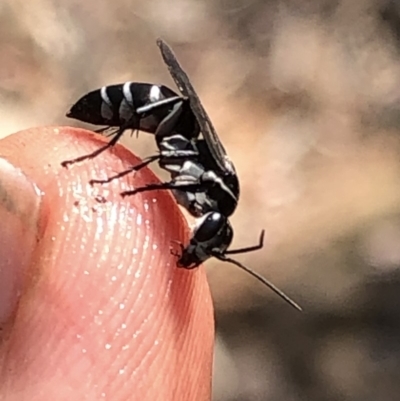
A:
19, 213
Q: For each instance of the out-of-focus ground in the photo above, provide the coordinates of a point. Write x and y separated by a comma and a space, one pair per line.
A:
306, 98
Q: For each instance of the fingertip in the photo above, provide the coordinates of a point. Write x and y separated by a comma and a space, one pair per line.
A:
107, 275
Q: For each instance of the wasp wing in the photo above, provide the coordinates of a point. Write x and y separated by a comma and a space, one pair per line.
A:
183, 83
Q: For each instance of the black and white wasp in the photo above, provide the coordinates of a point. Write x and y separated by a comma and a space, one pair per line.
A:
203, 178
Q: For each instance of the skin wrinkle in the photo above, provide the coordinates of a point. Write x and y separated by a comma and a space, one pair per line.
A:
58, 316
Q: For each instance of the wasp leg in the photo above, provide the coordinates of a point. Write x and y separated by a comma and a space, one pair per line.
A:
98, 151
181, 186
138, 167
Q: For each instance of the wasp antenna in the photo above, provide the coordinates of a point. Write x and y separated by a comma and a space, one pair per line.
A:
262, 235
262, 279
248, 248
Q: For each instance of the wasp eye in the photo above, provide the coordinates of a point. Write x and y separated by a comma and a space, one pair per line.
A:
209, 226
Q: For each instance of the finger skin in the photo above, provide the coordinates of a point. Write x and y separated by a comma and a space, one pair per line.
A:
105, 314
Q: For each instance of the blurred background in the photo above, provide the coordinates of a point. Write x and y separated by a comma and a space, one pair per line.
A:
305, 95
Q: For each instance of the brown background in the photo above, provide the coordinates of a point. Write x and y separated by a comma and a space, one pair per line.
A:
306, 98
